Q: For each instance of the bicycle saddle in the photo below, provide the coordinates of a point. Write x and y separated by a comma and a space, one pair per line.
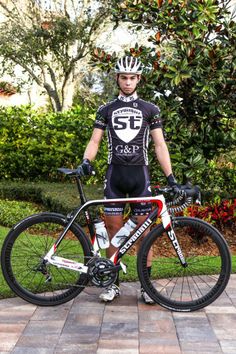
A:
68, 171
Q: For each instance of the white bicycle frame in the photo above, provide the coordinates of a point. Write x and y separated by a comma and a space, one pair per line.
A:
159, 211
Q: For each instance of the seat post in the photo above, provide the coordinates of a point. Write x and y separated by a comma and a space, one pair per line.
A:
86, 212
81, 191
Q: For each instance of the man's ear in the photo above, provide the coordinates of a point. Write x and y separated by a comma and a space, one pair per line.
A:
139, 77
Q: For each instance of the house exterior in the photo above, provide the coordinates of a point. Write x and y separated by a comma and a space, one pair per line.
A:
10, 95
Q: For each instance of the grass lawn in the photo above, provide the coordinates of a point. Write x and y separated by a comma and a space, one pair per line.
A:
130, 261
63, 198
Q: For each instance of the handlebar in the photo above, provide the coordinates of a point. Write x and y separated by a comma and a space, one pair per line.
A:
179, 201
185, 190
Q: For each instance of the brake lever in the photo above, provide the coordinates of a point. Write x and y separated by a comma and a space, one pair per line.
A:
198, 200
196, 197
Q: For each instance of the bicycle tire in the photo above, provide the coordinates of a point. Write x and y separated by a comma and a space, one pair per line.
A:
188, 288
21, 259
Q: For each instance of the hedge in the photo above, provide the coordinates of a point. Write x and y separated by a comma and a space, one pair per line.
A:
34, 144
12, 211
57, 197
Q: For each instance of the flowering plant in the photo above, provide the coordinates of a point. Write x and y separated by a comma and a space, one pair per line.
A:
220, 214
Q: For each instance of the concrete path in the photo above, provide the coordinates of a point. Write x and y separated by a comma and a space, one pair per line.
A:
85, 325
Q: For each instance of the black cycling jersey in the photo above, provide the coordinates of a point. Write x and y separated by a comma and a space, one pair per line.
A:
128, 121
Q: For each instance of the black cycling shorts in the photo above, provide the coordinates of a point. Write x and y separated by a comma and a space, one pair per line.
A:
123, 181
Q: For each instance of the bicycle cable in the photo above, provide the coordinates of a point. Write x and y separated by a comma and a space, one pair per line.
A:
174, 207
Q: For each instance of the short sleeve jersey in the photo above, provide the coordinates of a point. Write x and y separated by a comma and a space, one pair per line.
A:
128, 124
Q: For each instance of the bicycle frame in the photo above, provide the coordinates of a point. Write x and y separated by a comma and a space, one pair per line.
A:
34, 270
159, 210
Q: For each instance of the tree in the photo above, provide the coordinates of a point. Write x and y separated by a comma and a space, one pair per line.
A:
49, 43
190, 72
96, 88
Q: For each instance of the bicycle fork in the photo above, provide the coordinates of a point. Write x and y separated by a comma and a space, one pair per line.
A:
166, 222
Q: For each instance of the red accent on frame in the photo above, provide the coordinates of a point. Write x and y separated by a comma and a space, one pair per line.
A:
160, 206
54, 247
168, 226
115, 258
68, 261
144, 201
93, 239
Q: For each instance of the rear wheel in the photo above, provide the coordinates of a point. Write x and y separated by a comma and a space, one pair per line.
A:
22, 260
185, 288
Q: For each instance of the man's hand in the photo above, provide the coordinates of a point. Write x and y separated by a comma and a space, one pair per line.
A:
173, 183
85, 168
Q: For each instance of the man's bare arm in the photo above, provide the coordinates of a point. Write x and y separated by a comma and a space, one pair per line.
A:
93, 145
161, 151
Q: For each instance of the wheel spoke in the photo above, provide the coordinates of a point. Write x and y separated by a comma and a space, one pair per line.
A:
25, 270
201, 281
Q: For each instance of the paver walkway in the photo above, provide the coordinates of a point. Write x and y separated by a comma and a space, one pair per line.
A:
85, 325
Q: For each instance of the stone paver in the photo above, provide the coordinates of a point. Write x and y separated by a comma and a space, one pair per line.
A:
87, 326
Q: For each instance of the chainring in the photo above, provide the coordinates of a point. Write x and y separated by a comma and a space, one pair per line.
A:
101, 272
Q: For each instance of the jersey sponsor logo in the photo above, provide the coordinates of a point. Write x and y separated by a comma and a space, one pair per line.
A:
128, 98
127, 149
127, 122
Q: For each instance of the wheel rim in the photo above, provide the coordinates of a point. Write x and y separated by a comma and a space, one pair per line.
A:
30, 277
198, 284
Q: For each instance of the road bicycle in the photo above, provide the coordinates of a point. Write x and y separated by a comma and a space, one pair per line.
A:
48, 259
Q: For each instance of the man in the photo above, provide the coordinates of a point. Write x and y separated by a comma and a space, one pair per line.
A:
128, 121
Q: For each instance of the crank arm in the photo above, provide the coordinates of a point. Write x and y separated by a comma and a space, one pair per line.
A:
110, 270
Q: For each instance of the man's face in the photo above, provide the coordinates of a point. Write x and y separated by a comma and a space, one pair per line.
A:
128, 82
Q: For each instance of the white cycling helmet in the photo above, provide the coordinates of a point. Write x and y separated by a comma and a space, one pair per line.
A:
128, 65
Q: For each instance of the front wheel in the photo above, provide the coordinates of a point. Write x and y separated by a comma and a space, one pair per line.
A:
22, 260
199, 283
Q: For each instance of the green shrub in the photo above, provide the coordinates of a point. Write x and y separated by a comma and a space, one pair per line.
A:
33, 144
29, 191
12, 211
58, 197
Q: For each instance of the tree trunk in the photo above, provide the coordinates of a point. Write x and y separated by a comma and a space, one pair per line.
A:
54, 98
68, 90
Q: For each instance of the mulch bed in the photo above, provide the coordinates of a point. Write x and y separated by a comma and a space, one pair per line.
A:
164, 247
230, 236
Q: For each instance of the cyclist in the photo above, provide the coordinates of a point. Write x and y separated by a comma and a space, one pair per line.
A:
128, 120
